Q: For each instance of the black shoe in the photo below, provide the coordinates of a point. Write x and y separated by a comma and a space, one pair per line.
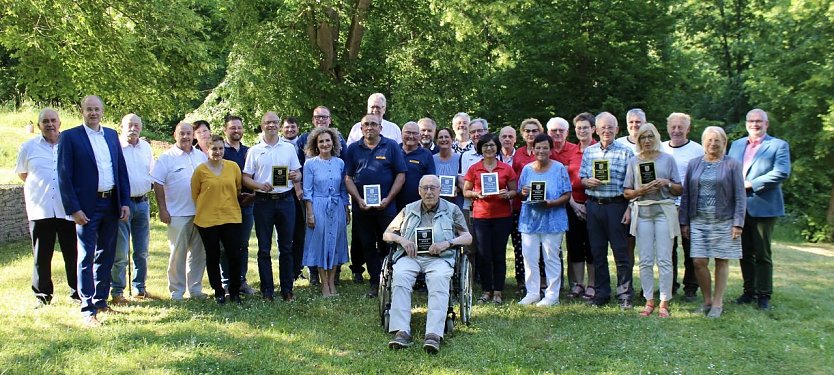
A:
221, 300
625, 304
373, 292
314, 279
690, 296
745, 299
288, 297
520, 292
269, 297
358, 279
763, 303
236, 300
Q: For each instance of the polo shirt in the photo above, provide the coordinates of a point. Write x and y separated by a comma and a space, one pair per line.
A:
627, 142
577, 189
39, 160
371, 166
565, 155
239, 157
173, 170
418, 163
262, 157
520, 159
492, 206
139, 161
617, 155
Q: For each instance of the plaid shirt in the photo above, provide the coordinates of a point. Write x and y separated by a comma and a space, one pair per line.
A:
617, 156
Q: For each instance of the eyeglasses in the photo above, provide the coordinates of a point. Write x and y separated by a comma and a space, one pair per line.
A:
321, 117
489, 145
370, 124
646, 137
429, 188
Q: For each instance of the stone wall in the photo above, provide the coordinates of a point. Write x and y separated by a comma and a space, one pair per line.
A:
14, 226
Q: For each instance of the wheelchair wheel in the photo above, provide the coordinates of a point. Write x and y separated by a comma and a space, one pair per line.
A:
385, 291
386, 320
466, 281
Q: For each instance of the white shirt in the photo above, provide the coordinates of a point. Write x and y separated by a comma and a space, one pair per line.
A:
262, 157
104, 164
39, 160
173, 170
468, 159
139, 160
389, 130
683, 154
625, 142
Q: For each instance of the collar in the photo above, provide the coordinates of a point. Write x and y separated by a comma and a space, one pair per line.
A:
90, 130
432, 210
125, 143
757, 142
178, 151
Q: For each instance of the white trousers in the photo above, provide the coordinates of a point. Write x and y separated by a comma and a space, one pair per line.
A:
438, 275
655, 246
188, 258
550, 244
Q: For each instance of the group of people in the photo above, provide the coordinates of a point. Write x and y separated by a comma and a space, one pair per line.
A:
473, 188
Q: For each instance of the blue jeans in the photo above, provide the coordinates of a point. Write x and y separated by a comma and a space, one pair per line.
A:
247, 215
137, 230
96, 249
278, 214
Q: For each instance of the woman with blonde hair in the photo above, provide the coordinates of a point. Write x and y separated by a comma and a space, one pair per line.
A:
712, 215
652, 182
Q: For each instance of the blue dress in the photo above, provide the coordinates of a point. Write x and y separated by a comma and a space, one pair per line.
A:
325, 245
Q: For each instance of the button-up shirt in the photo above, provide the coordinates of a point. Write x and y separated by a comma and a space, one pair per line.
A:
39, 160
262, 157
173, 170
104, 164
139, 161
617, 155
750, 153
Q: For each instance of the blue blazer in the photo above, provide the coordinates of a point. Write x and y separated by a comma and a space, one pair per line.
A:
78, 175
770, 167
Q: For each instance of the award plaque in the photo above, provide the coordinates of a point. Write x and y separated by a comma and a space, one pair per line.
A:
280, 176
489, 183
602, 171
647, 172
423, 239
372, 195
537, 191
447, 186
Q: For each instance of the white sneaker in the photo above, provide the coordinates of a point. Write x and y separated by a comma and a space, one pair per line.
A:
529, 299
548, 302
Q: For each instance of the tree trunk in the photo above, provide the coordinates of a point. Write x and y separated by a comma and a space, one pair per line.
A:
830, 216
354, 40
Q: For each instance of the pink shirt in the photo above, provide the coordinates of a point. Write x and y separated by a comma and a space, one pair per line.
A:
750, 152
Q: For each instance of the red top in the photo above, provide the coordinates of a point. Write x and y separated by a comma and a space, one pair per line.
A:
492, 206
520, 159
573, 172
564, 156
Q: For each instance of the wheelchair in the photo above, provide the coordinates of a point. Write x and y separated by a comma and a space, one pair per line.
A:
460, 290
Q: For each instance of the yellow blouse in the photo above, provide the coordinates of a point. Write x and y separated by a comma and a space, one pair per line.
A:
216, 196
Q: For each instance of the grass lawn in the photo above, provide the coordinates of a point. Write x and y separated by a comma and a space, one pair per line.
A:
315, 335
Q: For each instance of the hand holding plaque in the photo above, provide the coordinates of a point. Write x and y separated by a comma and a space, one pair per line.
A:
372, 195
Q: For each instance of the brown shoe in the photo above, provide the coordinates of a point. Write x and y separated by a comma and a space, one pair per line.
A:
119, 300
91, 322
144, 295
107, 310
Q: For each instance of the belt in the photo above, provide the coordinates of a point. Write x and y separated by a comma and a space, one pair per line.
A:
617, 199
274, 196
139, 199
105, 194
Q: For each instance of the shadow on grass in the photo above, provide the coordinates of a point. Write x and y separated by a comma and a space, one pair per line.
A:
16, 251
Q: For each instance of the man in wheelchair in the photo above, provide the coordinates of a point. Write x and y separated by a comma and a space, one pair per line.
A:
425, 233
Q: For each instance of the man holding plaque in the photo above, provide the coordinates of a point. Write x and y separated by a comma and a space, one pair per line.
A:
270, 170
603, 173
766, 164
423, 231
373, 165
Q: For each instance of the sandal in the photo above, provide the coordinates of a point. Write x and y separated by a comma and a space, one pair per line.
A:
647, 310
497, 298
663, 312
486, 297
576, 291
589, 293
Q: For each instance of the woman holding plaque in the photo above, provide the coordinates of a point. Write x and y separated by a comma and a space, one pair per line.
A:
447, 164
328, 209
712, 212
215, 186
652, 182
545, 190
491, 185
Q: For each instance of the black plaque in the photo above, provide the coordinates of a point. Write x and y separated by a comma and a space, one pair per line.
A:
423, 239
537, 191
489, 183
647, 172
280, 176
602, 171
372, 195
447, 186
